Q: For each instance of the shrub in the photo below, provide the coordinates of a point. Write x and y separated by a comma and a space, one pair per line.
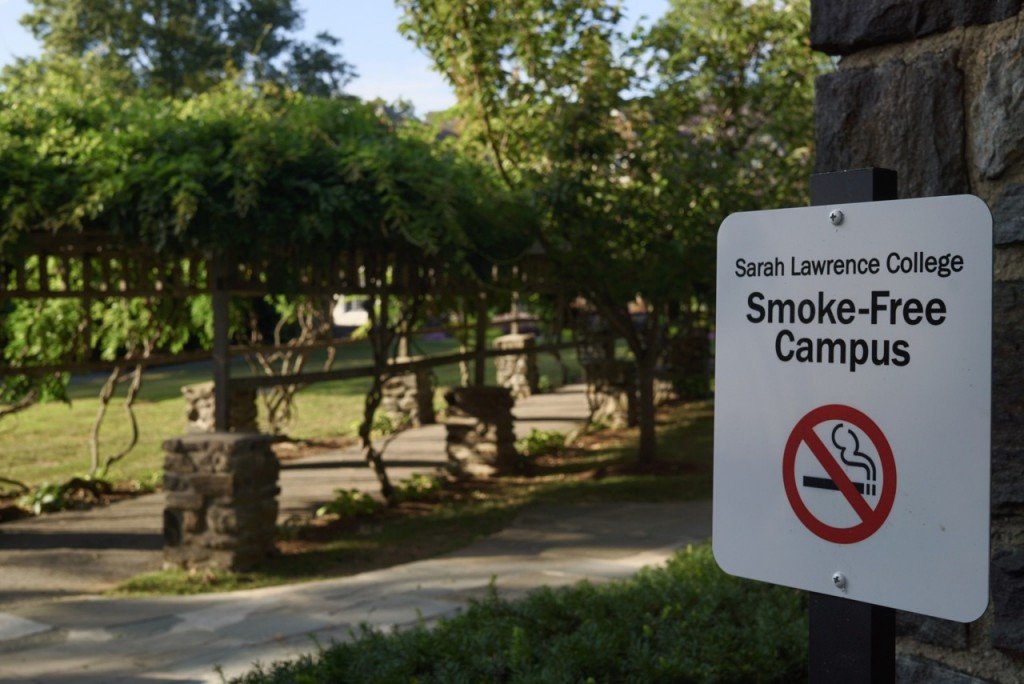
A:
383, 425
51, 498
687, 621
46, 498
540, 443
419, 487
349, 503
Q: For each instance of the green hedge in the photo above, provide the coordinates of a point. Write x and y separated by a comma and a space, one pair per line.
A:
684, 622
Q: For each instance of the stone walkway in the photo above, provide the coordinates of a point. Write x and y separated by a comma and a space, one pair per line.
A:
50, 632
72, 553
182, 639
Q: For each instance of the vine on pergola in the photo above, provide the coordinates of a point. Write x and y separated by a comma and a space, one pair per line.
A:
277, 183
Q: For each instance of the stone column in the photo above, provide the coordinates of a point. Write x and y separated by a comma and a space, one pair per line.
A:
199, 403
518, 372
934, 90
408, 399
221, 506
480, 435
612, 392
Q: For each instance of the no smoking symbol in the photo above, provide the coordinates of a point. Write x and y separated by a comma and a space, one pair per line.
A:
856, 495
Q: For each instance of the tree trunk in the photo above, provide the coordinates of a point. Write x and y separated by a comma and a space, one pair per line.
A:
645, 411
480, 369
370, 453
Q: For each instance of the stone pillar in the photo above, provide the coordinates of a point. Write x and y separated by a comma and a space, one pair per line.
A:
612, 393
518, 372
221, 506
408, 399
480, 435
199, 409
934, 90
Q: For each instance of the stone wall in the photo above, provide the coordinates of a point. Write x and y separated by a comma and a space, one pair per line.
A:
935, 90
408, 399
221, 505
518, 372
199, 402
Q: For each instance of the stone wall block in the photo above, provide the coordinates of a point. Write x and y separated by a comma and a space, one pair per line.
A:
1008, 599
1007, 478
174, 482
997, 111
911, 669
929, 630
1007, 326
1007, 394
213, 485
222, 520
907, 117
1008, 215
176, 459
223, 508
839, 27
191, 522
187, 500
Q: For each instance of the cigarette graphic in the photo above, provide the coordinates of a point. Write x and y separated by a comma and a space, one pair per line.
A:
845, 440
826, 483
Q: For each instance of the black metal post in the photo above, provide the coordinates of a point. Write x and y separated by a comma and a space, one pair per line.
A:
221, 341
851, 642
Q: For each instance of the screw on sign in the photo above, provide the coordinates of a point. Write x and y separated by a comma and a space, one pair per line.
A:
859, 445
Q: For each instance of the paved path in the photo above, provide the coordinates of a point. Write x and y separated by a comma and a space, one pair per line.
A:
50, 632
72, 553
182, 639
310, 482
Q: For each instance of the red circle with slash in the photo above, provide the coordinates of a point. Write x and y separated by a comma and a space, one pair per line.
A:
871, 519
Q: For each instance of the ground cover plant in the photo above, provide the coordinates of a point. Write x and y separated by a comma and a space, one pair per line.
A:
599, 467
685, 622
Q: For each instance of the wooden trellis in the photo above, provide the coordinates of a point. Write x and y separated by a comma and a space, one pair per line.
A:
95, 266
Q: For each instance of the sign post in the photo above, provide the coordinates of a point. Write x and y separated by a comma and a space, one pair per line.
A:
851, 641
853, 411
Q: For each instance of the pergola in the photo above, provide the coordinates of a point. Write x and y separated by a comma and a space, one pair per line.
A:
92, 266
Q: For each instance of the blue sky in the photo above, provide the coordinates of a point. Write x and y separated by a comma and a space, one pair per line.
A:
389, 66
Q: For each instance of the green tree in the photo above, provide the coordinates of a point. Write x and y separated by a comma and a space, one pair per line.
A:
180, 47
635, 145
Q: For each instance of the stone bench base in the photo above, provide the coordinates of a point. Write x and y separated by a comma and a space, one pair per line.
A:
480, 435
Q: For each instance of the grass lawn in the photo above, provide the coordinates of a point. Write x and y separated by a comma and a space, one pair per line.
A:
50, 442
600, 466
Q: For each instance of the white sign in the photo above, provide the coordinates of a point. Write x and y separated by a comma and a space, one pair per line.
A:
853, 402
